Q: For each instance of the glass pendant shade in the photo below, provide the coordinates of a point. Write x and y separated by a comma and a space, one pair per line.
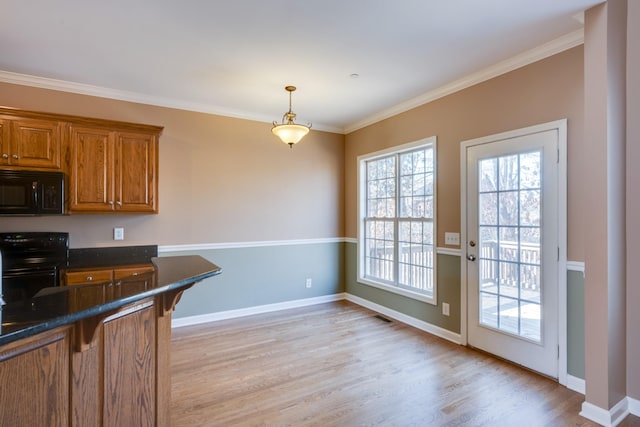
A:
288, 131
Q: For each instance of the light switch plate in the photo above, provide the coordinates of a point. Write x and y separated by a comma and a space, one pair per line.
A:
118, 233
452, 239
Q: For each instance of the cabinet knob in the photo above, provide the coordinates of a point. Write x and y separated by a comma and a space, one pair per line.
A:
119, 203
5, 156
110, 202
89, 278
15, 156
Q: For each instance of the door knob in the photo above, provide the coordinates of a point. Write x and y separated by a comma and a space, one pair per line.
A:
471, 257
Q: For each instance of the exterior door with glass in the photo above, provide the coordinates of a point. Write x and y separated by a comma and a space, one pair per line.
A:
512, 247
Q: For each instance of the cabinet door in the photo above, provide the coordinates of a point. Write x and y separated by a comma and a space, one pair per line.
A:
136, 165
35, 143
91, 170
88, 296
34, 373
132, 280
130, 369
4, 142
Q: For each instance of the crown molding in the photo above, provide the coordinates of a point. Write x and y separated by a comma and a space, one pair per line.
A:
140, 98
551, 48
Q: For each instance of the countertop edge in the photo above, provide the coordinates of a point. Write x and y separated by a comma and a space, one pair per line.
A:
116, 304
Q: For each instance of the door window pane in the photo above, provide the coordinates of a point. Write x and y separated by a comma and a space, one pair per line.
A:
488, 309
530, 321
530, 170
509, 217
509, 316
508, 173
530, 283
530, 207
488, 175
508, 207
488, 209
509, 279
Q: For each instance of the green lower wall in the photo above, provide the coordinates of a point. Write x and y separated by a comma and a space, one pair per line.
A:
448, 282
257, 276
449, 291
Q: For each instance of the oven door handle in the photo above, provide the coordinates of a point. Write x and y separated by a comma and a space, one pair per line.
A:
21, 274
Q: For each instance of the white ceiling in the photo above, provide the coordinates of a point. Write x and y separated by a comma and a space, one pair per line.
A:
234, 57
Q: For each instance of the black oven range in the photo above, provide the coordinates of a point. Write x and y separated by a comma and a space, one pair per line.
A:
31, 261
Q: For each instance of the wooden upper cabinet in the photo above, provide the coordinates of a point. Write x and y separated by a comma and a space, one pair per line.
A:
4, 142
91, 167
112, 171
135, 177
31, 143
111, 166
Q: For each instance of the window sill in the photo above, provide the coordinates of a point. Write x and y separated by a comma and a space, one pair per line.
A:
400, 291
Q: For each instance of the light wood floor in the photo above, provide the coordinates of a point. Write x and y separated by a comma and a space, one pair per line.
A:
336, 364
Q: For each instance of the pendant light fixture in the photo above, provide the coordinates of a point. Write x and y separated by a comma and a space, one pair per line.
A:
288, 131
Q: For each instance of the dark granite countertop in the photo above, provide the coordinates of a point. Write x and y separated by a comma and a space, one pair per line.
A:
53, 307
109, 256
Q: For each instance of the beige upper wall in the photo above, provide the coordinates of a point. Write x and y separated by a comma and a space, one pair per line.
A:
547, 90
229, 180
221, 179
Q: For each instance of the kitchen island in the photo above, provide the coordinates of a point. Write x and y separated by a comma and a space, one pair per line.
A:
96, 354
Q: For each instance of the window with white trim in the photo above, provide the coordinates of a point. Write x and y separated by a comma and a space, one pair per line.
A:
397, 219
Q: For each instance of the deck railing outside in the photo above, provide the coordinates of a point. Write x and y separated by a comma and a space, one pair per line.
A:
527, 255
496, 265
415, 265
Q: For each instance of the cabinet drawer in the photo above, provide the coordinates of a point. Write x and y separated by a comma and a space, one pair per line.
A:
122, 272
92, 276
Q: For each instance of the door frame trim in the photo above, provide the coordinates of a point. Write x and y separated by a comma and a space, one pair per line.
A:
561, 127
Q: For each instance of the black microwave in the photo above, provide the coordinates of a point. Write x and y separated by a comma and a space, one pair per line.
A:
31, 192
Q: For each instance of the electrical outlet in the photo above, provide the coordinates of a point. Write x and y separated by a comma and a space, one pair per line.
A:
452, 239
118, 233
308, 283
445, 308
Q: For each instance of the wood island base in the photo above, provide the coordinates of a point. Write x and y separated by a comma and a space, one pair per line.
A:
121, 377
95, 355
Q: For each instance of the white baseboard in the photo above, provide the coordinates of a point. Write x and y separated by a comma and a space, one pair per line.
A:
268, 308
412, 321
576, 384
634, 406
610, 418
